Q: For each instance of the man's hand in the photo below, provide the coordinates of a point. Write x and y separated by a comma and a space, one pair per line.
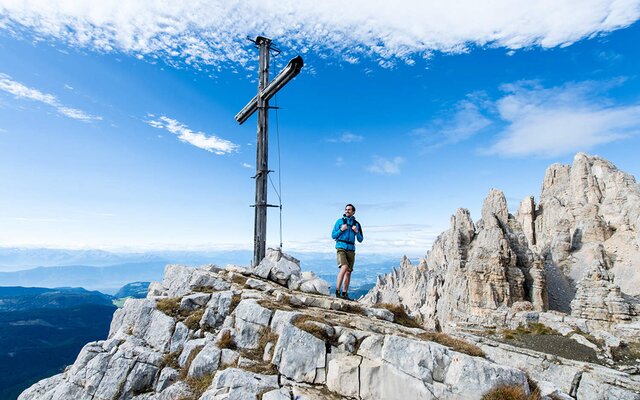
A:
355, 229
343, 227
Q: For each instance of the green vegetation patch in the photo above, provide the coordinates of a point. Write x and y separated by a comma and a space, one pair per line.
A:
529, 329
171, 307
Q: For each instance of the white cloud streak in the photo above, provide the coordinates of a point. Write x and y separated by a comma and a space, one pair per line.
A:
213, 32
21, 91
548, 122
206, 142
465, 121
347, 137
383, 166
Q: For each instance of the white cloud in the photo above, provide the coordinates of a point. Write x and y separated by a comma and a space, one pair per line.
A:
347, 137
209, 143
244, 164
549, 122
384, 166
213, 32
465, 121
23, 92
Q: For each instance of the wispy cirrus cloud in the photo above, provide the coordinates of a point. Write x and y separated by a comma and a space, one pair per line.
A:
347, 137
213, 32
206, 142
529, 119
548, 122
20, 91
463, 122
384, 166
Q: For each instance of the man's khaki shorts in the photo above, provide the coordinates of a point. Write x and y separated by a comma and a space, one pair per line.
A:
346, 257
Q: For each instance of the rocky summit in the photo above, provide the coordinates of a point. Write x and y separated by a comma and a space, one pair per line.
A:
540, 304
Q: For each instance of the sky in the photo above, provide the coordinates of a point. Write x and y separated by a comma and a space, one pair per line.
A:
117, 125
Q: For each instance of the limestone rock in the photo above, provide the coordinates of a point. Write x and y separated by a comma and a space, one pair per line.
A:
277, 266
598, 298
234, 383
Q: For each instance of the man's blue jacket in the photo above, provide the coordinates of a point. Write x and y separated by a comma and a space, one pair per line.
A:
347, 239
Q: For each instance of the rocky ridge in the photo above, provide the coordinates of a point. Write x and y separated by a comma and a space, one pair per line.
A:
572, 262
227, 333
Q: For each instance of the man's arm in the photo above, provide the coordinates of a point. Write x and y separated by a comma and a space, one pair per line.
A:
336, 230
359, 233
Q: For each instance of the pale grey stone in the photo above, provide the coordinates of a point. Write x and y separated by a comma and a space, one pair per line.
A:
371, 347
278, 394
298, 354
251, 311
343, 375
189, 347
180, 335
217, 309
194, 301
229, 357
236, 384
592, 387
167, 377
206, 362
180, 280
139, 379
278, 267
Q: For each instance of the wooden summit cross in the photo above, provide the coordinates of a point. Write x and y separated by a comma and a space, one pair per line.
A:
260, 102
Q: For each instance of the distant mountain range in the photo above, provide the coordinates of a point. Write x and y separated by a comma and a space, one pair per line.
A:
107, 272
106, 279
42, 330
14, 258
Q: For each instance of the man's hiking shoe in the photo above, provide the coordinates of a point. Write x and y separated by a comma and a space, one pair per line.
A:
345, 296
338, 294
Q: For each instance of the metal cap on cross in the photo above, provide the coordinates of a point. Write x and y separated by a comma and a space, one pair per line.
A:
260, 102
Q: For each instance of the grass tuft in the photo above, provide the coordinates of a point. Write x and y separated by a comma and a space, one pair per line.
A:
170, 360
400, 316
533, 328
313, 326
238, 279
235, 300
199, 385
203, 289
193, 320
455, 344
226, 341
170, 306
504, 392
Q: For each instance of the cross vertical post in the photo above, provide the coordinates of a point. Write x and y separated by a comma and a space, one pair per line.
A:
262, 156
260, 103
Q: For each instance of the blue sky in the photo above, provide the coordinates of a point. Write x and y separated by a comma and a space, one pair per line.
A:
117, 128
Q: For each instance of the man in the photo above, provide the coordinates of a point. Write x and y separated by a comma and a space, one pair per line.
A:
345, 232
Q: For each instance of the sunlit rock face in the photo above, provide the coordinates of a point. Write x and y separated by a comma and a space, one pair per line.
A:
575, 252
583, 207
212, 334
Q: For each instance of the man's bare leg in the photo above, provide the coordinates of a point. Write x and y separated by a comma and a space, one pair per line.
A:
347, 279
343, 269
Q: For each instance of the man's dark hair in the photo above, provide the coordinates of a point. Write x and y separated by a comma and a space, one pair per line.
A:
352, 206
